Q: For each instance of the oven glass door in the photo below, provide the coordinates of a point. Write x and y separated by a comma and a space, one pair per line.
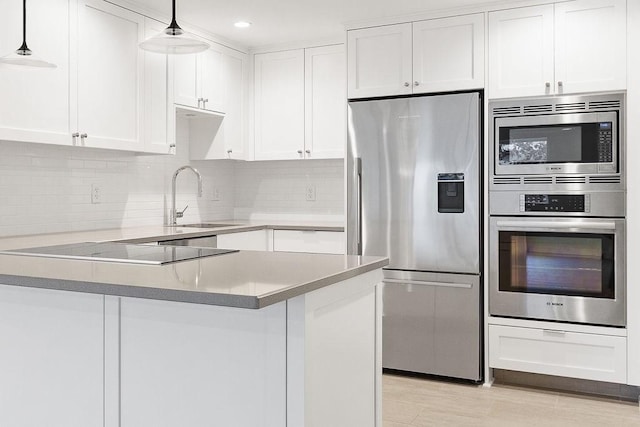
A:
557, 263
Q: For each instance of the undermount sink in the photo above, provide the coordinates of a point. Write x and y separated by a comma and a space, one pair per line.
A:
207, 225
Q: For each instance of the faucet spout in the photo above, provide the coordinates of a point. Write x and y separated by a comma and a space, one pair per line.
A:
173, 215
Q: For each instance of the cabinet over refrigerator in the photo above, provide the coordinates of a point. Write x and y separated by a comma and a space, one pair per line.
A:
414, 195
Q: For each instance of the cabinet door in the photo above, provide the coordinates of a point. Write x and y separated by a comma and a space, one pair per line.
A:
590, 40
159, 114
456, 64
34, 105
234, 78
325, 102
110, 68
185, 80
201, 365
51, 363
279, 105
379, 61
521, 52
210, 78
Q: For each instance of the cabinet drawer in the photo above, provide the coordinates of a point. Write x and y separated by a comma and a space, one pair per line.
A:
326, 242
556, 352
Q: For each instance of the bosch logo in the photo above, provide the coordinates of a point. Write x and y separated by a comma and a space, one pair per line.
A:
555, 304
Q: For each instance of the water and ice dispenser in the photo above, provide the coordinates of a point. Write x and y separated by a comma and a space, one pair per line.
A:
451, 192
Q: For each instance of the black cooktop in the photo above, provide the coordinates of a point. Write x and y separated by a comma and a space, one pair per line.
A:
120, 252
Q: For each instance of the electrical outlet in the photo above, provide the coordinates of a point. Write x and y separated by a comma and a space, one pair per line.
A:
96, 193
311, 193
215, 194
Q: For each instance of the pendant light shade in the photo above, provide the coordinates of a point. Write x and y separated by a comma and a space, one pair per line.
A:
173, 40
23, 55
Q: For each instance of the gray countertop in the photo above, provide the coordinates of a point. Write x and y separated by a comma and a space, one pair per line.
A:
245, 279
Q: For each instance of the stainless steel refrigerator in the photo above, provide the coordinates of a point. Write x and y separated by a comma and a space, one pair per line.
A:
414, 195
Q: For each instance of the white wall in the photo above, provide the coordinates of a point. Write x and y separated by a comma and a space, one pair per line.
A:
46, 189
277, 189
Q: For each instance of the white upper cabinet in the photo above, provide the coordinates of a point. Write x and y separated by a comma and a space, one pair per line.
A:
198, 79
521, 51
379, 61
159, 114
109, 78
591, 45
568, 47
279, 105
420, 57
34, 102
223, 136
448, 54
325, 102
300, 104
234, 77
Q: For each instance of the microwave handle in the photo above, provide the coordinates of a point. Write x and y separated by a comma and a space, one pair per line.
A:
556, 225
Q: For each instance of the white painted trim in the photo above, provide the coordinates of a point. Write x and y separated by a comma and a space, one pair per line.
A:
633, 194
443, 13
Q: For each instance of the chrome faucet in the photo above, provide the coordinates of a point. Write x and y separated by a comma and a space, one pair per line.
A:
174, 214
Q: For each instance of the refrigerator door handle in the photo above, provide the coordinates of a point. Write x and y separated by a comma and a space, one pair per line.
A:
429, 283
358, 170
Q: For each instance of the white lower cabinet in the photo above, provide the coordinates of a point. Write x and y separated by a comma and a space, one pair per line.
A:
51, 362
326, 242
589, 356
257, 240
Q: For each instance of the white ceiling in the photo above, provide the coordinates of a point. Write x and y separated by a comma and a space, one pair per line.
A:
288, 21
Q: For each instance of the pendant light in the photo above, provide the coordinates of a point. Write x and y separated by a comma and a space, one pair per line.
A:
173, 40
24, 56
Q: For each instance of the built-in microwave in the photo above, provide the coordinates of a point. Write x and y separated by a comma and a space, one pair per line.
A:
550, 138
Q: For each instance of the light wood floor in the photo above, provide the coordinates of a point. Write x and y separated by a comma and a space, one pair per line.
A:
418, 402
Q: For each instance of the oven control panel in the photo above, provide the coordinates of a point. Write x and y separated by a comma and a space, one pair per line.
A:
555, 203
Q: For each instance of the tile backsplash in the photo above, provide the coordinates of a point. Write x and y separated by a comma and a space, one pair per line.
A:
47, 189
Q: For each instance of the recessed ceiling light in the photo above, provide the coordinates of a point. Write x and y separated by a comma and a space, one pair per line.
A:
242, 24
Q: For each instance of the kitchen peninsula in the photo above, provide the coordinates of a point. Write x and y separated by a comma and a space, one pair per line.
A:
245, 339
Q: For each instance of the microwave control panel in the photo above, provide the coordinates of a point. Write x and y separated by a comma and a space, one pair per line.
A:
605, 143
555, 203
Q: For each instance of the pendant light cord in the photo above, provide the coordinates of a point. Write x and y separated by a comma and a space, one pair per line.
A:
24, 47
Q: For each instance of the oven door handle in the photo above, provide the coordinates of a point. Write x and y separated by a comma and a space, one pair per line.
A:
553, 225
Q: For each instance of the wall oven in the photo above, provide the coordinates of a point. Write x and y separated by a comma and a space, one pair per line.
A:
560, 269
557, 199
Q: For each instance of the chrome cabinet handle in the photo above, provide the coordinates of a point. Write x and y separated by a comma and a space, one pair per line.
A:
307, 151
229, 151
300, 152
204, 102
547, 85
74, 137
199, 102
560, 86
407, 84
416, 83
